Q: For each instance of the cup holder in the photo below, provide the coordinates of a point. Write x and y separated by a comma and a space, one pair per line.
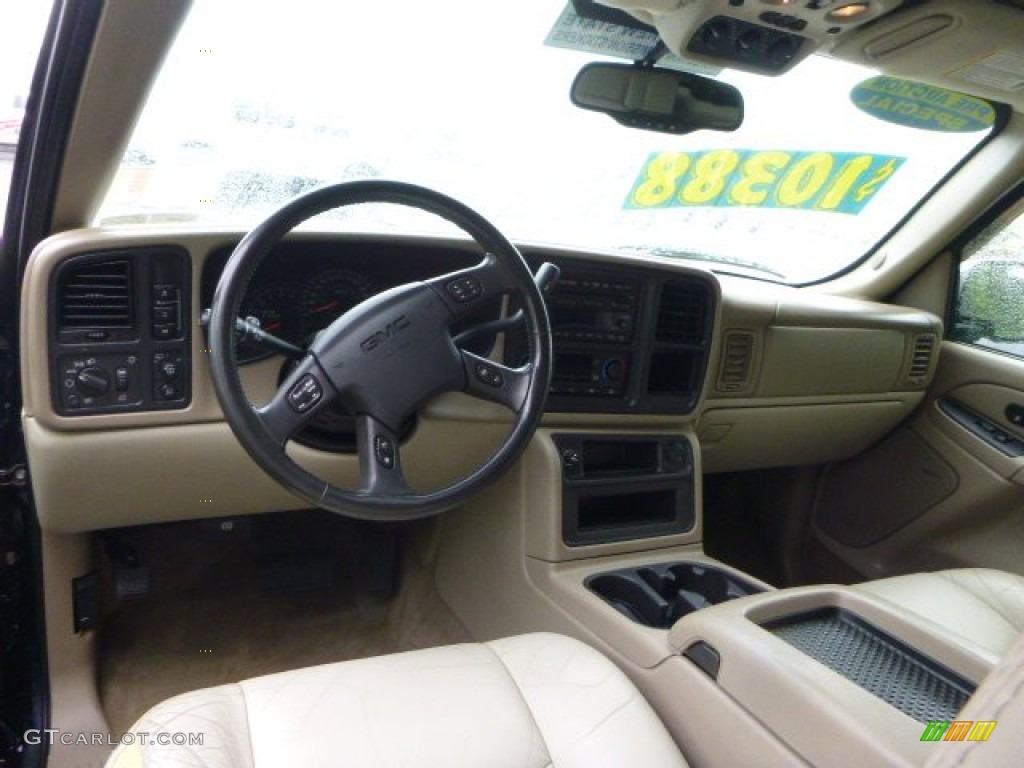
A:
659, 595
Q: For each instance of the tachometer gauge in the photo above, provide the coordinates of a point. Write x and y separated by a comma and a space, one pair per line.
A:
277, 309
329, 295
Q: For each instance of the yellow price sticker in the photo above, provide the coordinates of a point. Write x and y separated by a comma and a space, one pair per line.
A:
839, 182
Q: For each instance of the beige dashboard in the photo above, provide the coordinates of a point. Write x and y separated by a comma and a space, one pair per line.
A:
783, 377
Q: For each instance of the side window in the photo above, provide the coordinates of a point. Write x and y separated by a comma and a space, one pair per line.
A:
989, 309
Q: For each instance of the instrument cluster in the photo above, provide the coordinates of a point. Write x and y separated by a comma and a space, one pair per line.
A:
296, 311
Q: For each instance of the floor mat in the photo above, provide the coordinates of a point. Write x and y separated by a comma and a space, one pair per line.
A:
226, 626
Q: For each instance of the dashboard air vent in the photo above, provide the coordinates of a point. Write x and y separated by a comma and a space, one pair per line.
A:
681, 314
97, 295
737, 361
921, 359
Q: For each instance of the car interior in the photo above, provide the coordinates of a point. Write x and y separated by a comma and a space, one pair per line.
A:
372, 398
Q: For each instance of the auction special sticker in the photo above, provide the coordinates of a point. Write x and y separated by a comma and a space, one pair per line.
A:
917, 105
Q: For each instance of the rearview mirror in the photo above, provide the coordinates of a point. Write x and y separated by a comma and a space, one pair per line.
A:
658, 99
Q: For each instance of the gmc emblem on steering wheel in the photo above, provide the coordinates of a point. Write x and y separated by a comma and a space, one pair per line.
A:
380, 338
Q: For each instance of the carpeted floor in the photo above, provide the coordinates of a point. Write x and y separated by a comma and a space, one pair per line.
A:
214, 616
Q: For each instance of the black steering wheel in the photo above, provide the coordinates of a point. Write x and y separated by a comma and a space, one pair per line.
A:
384, 359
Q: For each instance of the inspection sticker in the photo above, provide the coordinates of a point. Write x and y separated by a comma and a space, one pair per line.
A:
605, 38
1003, 71
916, 105
836, 182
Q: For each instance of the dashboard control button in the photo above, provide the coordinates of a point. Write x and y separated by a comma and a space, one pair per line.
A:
164, 331
571, 458
168, 314
121, 379
169, 373
305, 393
676, 454
93, 381
614, 369
164, 292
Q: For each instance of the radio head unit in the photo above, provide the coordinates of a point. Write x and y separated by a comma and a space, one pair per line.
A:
593, 309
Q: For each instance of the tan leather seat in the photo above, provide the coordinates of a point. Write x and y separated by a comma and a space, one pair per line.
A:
534, 700
976, 606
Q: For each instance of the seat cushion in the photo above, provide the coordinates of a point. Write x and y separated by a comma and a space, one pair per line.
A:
977, 606
534, 700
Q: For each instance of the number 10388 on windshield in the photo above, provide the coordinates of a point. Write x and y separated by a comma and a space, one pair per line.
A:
834, 182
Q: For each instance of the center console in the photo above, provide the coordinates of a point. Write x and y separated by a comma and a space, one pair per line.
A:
598, 535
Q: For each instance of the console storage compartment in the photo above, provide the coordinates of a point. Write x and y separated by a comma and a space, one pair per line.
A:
876, 661
625, 487
838, 677
659, 595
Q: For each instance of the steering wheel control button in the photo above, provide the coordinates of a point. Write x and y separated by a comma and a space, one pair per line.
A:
384, 451
305, 393
488, 374
465, 289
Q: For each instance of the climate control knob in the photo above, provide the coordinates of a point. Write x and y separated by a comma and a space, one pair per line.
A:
614, 369
92, 381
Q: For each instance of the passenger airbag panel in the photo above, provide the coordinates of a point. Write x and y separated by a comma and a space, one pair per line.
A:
830, 361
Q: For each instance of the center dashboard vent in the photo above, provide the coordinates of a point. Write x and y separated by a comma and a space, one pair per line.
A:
96, 295
681, 314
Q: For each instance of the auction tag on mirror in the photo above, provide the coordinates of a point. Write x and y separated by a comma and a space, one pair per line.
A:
604, 38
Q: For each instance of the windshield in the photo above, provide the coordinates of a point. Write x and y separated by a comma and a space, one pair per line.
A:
20, 35
474, 104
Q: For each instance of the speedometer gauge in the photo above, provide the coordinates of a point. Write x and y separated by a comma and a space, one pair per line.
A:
329, 295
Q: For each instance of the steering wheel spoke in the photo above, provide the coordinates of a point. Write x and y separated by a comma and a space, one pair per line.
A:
380, 459
495, 382
302, 395
465, 290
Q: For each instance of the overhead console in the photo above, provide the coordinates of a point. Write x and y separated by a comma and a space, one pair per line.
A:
119, 332
764, 36
626, 340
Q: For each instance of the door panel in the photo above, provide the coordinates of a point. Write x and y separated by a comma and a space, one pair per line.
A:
943, 491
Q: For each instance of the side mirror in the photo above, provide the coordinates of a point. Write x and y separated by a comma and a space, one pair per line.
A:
658, 99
